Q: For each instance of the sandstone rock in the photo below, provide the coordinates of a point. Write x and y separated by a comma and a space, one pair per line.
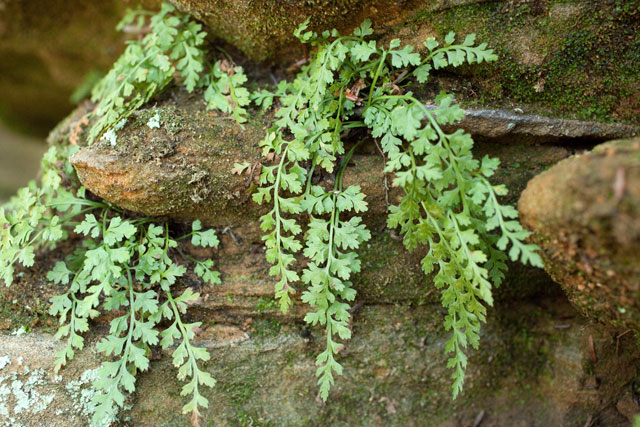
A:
31, 393
183, 170
554, 58
19, 160
585, 213
394, 373
264, 29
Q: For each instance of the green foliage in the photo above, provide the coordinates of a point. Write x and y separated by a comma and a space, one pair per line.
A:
448, 205
123, 265
128, 265
27, 223
172, 46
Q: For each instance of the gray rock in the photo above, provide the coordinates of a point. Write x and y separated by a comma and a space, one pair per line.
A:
510, 125
394, 373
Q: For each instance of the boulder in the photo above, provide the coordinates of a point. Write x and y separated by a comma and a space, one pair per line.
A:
540, 370
585, 213
574, 60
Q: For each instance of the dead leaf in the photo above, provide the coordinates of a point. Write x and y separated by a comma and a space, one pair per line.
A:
227, 66
240, 168
195, 419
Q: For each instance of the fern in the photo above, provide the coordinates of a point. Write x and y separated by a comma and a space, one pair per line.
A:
173, 46
449, 205
123, 264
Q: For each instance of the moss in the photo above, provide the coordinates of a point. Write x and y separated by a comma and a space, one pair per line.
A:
570, 60
263, 29
16, 314
266, 304
265, 328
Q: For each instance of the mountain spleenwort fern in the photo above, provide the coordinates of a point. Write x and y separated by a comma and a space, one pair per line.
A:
173, 46
448, 203
123, 265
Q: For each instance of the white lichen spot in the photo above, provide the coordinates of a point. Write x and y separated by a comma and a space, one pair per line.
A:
20, 331
4, 409
27, 397
154, 122
23, 398
120, 124
82, 393
111, 135
26, 393
4, 361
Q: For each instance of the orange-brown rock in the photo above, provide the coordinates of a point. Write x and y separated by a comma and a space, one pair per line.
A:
585, 212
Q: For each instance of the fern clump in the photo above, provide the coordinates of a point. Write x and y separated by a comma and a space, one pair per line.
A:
130, 266
448, 203
172, 47
124, 265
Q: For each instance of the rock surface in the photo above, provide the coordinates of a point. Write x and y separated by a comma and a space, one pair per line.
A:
264, 29
585, 213
543, 364
47, 47
574, 59
183, 170
19, 160
504, 125
31, 393
577, 59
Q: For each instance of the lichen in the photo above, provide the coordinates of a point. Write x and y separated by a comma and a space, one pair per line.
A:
26, 393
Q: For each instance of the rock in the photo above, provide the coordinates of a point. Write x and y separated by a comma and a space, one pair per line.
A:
555, 59
31, 393
264, 29
19, 160
394, 373
585, 213
183, 170
509, 125
628, 407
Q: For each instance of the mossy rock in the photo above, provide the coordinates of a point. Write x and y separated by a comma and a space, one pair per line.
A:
534, 367
585, 212
573, 59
